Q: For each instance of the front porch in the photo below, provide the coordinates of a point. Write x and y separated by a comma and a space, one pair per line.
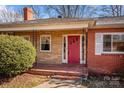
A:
60, 71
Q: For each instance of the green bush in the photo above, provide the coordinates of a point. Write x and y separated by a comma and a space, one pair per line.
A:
16, 54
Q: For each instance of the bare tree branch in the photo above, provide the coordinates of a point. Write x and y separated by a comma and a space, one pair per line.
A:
9, 15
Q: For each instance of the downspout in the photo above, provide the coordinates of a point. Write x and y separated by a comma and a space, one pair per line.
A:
35, 45
85, 68
33, 37
86, 45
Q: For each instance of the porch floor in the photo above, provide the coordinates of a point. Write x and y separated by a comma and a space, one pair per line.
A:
65, 70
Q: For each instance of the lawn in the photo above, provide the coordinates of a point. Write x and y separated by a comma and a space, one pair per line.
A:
22, 81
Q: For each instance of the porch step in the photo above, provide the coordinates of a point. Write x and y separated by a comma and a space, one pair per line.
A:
61, 71
66, 77
55, 72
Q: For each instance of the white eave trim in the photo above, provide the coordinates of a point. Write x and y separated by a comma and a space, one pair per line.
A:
47, 27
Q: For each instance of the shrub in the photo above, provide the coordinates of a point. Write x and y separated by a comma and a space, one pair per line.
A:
16, 54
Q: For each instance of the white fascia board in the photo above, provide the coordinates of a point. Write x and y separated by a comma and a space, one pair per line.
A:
46, 27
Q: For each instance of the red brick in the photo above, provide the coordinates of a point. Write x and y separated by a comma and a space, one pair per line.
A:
105, 63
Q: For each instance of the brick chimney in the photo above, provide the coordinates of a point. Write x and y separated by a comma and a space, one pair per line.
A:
28, 13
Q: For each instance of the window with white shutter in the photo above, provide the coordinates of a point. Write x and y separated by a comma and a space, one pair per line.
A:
109, 43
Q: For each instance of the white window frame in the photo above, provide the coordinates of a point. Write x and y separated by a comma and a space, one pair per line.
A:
41, 46
28, 36
112, 52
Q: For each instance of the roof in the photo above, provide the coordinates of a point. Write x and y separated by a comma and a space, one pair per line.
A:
109, 22
105, 22
100, 20
47, 24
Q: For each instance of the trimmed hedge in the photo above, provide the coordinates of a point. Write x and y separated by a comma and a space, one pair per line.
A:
16, 54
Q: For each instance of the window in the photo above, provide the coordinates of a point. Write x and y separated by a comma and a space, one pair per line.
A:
113, 43
107, 43
118, 43
45, 43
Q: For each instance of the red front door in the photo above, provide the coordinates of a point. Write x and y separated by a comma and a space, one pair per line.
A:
74, 49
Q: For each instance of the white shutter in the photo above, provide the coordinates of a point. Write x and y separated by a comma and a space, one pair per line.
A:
98, 43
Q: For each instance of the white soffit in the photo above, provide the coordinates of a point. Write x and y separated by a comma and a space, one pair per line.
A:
46, 27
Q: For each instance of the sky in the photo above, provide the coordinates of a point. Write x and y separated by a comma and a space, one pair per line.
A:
15, 7
43, 12
20, 8
90, 12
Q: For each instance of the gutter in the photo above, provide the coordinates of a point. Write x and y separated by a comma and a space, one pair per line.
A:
48, 27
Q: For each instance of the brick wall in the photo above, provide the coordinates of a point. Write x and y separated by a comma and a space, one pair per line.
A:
105, 63
55, 56
28, 13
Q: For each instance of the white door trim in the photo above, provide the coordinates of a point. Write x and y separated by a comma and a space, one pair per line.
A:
81, 55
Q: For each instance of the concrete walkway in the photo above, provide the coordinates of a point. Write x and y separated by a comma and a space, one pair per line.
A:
56, 83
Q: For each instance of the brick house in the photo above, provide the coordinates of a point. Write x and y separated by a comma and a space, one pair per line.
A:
96, 43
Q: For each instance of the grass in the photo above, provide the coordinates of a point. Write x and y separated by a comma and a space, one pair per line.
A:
22, 81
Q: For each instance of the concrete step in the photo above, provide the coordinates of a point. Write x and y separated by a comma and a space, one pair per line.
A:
58, 81
55, 72
66, 77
